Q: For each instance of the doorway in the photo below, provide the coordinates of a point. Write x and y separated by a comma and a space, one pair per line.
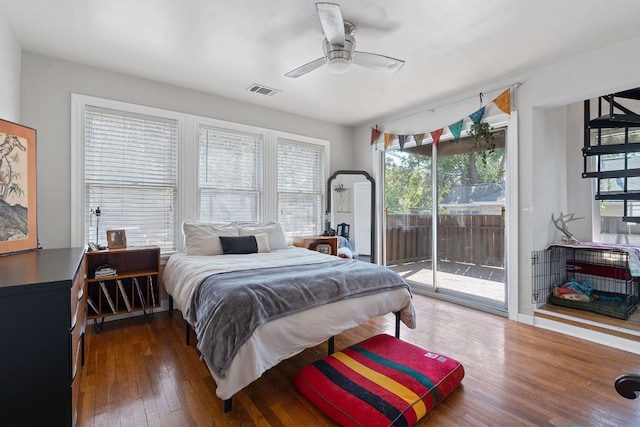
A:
459, 187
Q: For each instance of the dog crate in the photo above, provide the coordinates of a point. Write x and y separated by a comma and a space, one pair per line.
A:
604, 271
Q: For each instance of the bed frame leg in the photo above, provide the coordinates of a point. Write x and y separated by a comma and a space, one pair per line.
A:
397, 324
170, 303
330, 344
228, 403
187, 333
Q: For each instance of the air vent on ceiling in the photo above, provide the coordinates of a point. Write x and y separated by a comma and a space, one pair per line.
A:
263, 90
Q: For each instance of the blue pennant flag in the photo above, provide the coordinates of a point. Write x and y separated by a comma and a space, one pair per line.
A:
477, 116
456, 129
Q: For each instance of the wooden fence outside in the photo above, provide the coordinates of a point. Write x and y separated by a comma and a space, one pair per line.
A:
473, 239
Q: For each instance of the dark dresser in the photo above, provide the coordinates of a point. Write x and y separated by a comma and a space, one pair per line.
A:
42, 319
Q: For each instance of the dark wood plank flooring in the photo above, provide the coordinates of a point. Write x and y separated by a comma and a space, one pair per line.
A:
143, 374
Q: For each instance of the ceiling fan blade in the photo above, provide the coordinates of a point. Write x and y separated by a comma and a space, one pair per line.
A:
377, 62
332, 22
317, 63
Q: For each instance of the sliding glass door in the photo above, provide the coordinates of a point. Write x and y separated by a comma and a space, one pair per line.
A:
408, 196
460, 188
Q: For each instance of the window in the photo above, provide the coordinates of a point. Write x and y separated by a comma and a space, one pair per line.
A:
301, 187
130, 173
149, 169
230, 175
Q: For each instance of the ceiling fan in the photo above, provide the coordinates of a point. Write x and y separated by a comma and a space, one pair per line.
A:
339, 47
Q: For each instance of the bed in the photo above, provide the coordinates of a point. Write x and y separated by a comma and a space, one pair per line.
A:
275, 337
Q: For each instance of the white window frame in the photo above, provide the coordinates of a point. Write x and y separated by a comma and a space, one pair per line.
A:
188, 126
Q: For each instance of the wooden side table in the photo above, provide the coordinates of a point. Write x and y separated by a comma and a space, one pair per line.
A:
134, 286
324, 244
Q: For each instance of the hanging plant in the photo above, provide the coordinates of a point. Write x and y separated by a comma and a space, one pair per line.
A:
339, 188
483, 139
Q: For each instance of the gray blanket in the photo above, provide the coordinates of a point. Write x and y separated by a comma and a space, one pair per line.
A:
226, 308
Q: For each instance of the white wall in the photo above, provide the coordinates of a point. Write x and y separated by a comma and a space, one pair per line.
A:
47, 85
579, 195
9, 74
549, 140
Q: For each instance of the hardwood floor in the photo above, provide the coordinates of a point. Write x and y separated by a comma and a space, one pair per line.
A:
143, 374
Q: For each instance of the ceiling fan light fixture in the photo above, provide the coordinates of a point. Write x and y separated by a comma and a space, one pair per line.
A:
339, 65
339, 46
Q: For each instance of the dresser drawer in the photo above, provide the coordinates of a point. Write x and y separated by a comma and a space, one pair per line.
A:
75, 392
76, 341
78, 295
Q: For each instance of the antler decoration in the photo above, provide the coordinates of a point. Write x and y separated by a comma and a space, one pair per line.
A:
562, 224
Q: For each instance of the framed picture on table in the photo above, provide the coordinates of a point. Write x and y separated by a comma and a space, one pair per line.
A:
116, 239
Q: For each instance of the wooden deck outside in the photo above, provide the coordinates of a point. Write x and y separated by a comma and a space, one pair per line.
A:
469, 279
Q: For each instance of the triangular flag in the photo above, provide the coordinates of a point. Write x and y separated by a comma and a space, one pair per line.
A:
435, 135
477, 116
456, 129
418, 137
401, 140
375, 134
503, 101
388, 137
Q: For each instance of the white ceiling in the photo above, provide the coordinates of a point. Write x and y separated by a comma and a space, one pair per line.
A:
224, 46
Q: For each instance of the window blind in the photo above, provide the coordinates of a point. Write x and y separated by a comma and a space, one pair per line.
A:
130, 167
230, 175
301, 187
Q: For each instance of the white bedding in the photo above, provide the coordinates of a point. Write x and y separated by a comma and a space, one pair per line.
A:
285, 337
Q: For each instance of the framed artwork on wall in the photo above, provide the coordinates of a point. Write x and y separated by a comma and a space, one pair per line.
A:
18, 213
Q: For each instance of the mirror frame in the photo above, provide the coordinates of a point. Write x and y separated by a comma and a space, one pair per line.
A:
373, 202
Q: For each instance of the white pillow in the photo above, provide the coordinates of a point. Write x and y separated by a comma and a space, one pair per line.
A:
202, 238
263, 242
273, 230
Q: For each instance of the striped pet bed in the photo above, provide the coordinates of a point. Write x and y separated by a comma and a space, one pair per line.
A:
382, 381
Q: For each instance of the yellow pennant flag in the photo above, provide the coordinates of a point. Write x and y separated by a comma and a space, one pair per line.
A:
418, 138
388, 137
503, 101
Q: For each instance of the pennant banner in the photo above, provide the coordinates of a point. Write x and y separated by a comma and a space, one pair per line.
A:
375, 134
477, 116
456, 129
503, 101
435, 135
388, 137
401, 140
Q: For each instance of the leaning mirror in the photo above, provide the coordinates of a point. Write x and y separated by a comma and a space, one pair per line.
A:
351, 212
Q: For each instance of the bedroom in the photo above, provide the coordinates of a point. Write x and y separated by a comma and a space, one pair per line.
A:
36, 91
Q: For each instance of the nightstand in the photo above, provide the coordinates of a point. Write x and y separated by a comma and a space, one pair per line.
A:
324, 244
